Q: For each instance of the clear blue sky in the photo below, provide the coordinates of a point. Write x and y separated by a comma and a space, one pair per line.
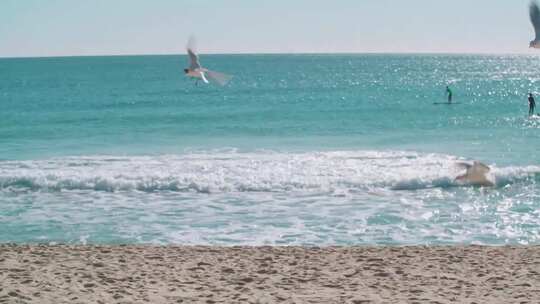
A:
95, 27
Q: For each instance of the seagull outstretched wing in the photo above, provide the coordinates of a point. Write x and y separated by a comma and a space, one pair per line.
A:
480, 168
192, 52
465, 166
534, 12
193, 60
476, 167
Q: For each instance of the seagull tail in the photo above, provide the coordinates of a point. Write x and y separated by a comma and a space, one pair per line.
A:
192, 44
219, 78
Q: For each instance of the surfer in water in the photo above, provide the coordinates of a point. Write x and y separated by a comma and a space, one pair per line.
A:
532, 104
449, 93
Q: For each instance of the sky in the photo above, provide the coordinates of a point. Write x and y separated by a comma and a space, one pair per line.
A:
40, 28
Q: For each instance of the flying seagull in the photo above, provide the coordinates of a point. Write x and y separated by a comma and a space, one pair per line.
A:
534, 12
475, 174
196, 71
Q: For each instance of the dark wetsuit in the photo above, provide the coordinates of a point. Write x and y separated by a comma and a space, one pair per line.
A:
449, 92
532, 105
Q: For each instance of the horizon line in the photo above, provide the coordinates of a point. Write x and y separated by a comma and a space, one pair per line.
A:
268, 53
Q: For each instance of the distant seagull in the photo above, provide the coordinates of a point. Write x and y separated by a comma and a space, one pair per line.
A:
196, 71
475, 175
534, 12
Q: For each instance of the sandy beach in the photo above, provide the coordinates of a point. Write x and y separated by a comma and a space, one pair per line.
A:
181, 274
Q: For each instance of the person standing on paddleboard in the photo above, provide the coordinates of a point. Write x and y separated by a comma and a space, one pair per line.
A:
449, 93
532, 104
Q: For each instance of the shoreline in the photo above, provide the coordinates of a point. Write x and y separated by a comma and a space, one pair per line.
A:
211, 274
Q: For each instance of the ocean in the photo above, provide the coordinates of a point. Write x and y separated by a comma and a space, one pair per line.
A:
296, 150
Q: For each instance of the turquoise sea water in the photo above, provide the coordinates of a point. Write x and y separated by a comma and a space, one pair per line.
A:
296, 149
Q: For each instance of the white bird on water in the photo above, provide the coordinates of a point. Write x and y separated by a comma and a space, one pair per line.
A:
534, 13
196, 71
475, 175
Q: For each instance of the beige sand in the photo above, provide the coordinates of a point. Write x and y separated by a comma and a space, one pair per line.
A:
139, 274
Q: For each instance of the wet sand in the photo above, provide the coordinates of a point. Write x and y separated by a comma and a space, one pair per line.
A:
182, 274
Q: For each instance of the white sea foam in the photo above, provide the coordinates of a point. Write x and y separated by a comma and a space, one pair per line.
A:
265, 198
266, 171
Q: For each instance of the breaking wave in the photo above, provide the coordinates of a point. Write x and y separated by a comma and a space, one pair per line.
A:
265, 171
